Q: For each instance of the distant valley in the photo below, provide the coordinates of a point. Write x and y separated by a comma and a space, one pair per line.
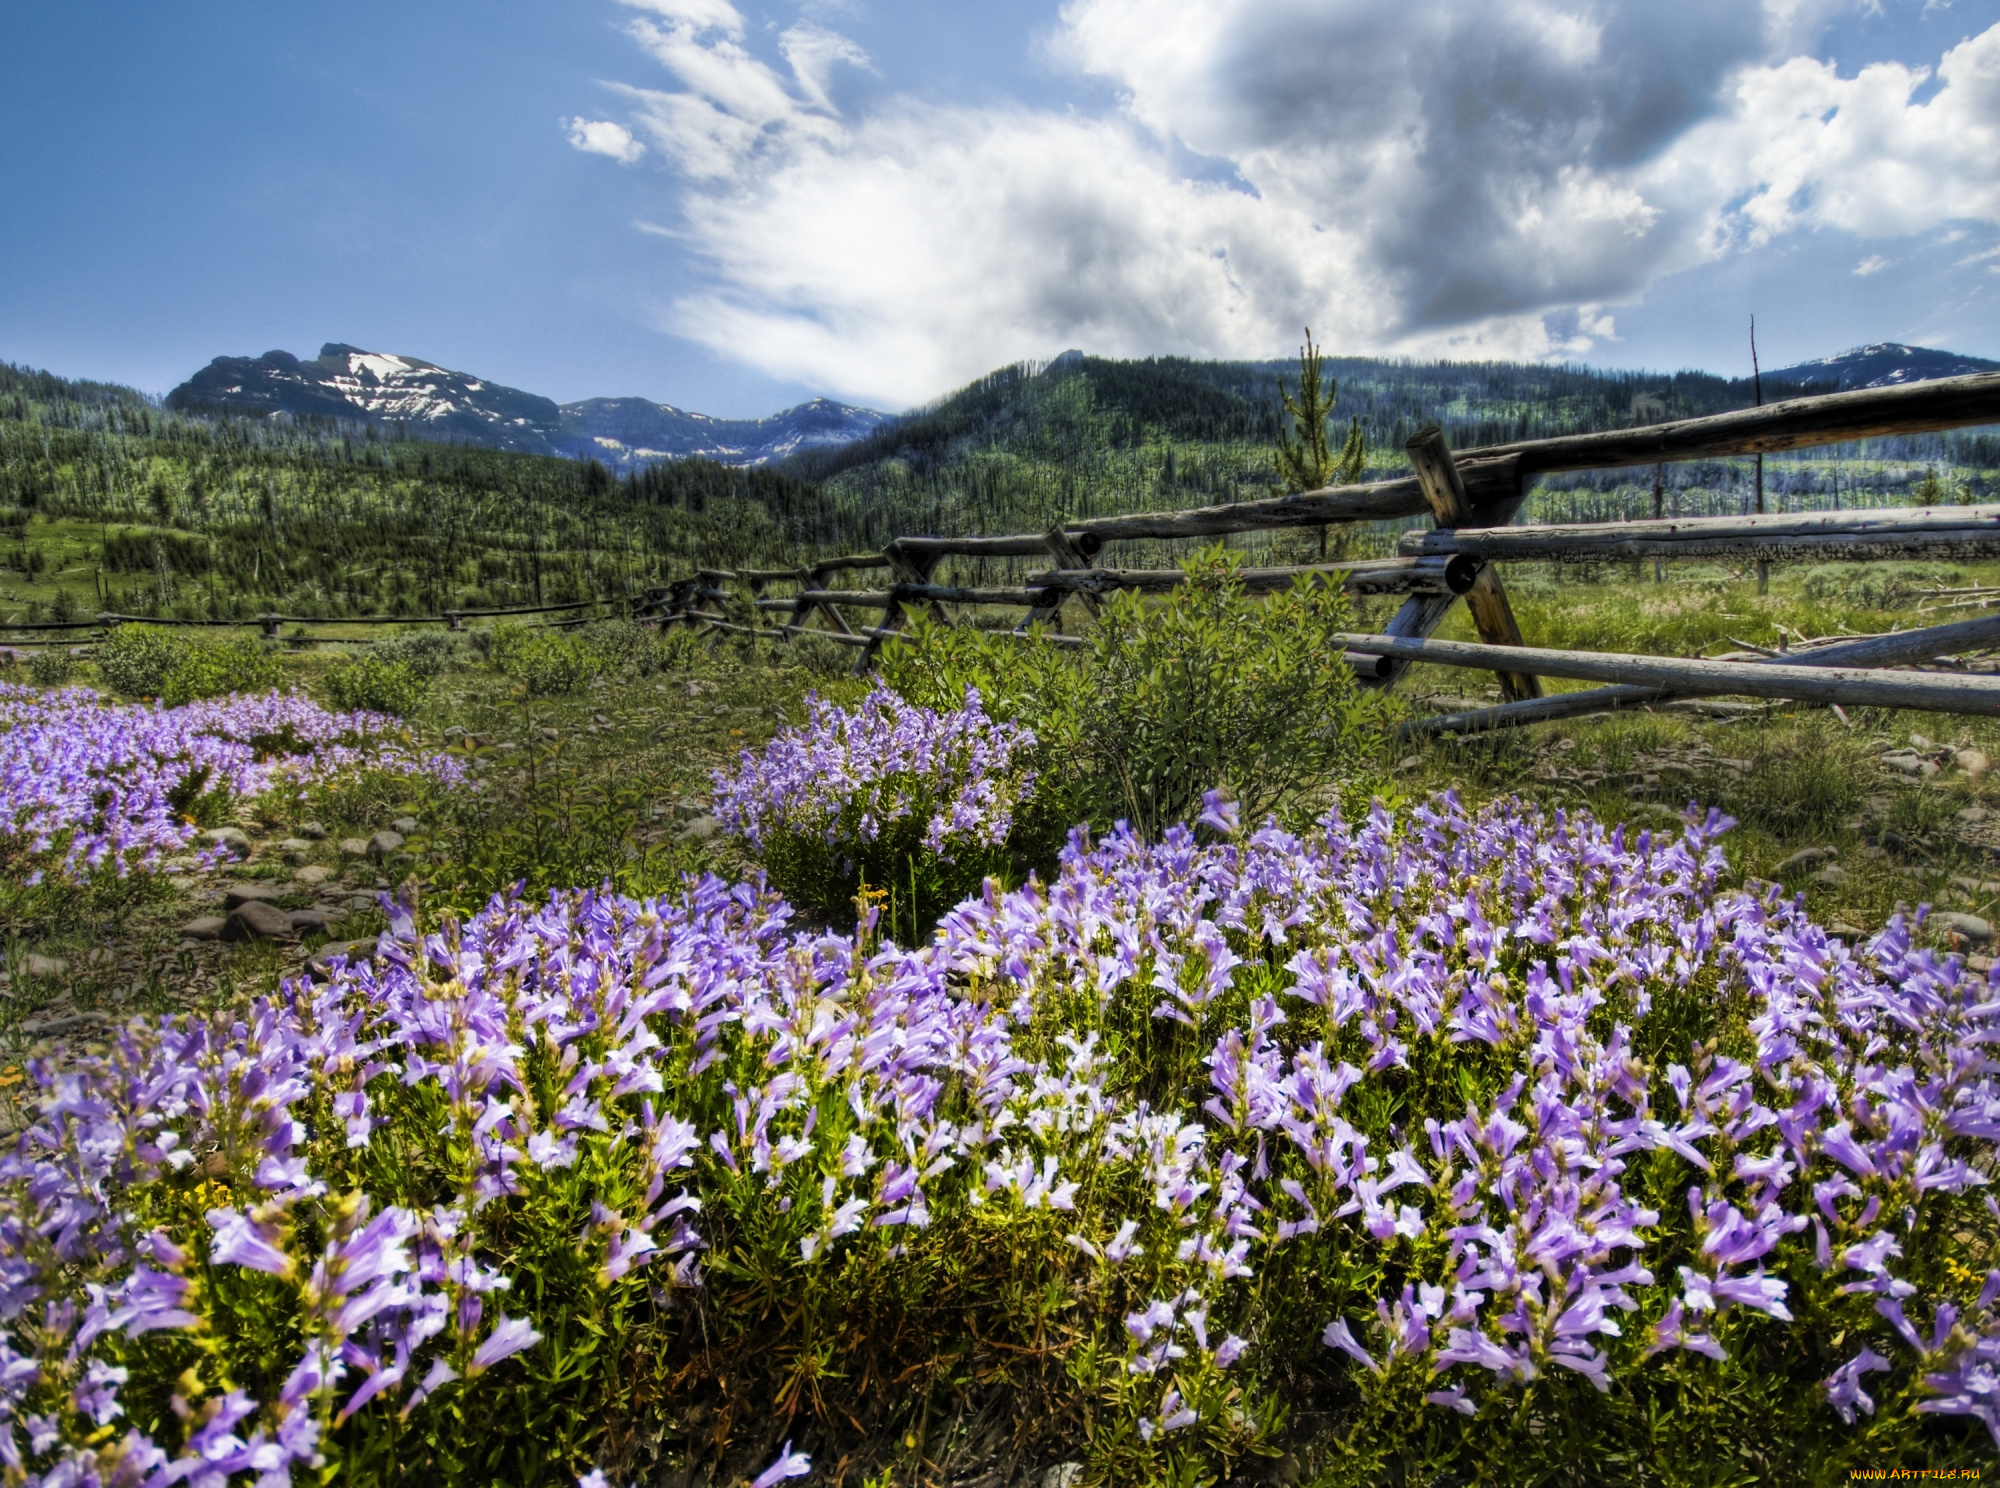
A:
427, 401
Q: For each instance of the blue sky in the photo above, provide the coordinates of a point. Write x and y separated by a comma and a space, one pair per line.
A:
735, 206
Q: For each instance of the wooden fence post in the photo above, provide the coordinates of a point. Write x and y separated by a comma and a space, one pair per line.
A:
910, 571
1071, 553
1444, 490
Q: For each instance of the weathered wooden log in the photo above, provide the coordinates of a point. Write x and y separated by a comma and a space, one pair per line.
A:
845, 638
1014, 545
1903, 648
851, 560
1905, 532
867, 599
1361, 576
1487, 597
1796, 423
1852, 686
1486, 481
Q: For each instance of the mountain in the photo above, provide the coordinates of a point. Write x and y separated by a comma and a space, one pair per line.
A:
425, 401
635, 430
1883, 365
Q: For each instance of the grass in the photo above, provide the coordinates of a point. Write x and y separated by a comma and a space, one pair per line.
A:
598, 786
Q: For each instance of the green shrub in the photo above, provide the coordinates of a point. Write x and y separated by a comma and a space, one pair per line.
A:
135, 659
210, 669
1205, 688
423, 653
375, 683
546, 663
52, 666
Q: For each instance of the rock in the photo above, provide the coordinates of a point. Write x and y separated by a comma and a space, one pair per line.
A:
363, 901
354, 847
1981, 964
1966, 927
1810, 857
385, 844
1409, 762
313, 875
1973, 762
312, 831
36, 965
1847, 931
1985, 888
407, 825
257, 920
208, 927
1063, 1475
1973, 815
232, 838
689, 807
354, 950
295, 845
311, 919
246, 893
1919, 742
701, 829
1832, 876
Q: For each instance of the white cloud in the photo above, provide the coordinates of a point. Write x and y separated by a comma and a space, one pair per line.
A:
1874, 263
604, 137
1424, 176
813, 52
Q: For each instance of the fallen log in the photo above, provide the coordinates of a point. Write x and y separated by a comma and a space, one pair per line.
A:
1902, 648
1847, 685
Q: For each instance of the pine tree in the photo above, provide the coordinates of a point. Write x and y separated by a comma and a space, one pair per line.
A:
1305, 460
1308, 463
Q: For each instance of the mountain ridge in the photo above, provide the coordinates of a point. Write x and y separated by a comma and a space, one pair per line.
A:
1882, 364
383, 390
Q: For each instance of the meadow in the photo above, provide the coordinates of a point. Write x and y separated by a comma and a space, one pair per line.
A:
596, 774
584, 1054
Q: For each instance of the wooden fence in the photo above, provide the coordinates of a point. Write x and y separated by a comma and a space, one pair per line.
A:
1472, 498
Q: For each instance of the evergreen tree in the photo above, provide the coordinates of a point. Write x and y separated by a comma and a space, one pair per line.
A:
1306, 462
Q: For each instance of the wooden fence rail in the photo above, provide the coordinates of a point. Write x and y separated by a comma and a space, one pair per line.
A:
1472, 498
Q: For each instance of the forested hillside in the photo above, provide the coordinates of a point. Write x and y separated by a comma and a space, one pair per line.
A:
109, 501
1084, 436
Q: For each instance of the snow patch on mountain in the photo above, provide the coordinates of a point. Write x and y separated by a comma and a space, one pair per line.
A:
426, 401
1885, 364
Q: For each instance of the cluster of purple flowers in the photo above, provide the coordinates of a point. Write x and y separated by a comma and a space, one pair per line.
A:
88, 786
847, 776
699, 1062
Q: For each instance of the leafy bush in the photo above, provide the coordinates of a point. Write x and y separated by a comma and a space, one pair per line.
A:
1493, 1147
213, 669
1202, 689
135, 659
423, 653
547, 663
375, 683
52, 666
919, 803
552, 663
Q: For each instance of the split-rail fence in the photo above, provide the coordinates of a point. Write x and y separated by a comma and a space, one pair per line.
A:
1472, 497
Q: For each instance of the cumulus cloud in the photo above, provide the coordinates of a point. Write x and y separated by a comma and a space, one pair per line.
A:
1422, 176
604, 137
